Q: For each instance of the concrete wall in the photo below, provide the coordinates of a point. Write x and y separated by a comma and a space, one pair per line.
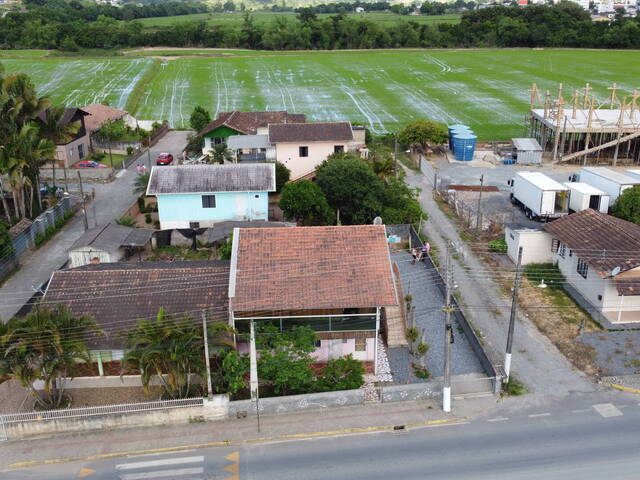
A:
296, 403
288, 153
413, 391
536, 245
68, 154
177, 210
215, 409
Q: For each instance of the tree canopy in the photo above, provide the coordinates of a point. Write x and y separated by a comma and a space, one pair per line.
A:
423, 133
627, 206
304, 202
200, 118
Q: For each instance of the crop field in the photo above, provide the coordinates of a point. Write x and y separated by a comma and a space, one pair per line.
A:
268, 17
486, 89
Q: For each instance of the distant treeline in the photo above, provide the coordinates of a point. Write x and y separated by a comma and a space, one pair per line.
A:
562, 25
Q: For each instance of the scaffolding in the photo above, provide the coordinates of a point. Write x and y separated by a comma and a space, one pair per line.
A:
584, 131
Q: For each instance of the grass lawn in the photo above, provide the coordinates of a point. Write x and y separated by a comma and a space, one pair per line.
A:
268, 17
383, 89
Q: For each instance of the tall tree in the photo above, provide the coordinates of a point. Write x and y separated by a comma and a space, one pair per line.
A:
200, 118
41, 347
52, 129
627, 206
423, 133
304, 202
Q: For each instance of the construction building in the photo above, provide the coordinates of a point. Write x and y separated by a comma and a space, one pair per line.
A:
584, 131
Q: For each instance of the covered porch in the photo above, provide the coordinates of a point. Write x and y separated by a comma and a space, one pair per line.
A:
249, 148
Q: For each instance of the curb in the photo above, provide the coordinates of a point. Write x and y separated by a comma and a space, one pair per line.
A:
622, 387
228, 443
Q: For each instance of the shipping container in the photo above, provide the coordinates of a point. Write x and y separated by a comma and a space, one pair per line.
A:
609, 181
585, 196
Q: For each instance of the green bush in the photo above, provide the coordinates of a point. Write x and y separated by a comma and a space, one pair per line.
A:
344, 373
147, 218
129, 150
51, 229
422, 349
40, 238
412, 334
126, 221
513, 388
141, 205
68, 214
420, 371
499, 246
59, 222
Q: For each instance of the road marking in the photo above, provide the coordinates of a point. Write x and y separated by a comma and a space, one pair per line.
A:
160, 463
178, 472
607, 410
498, 419
581, 410
536, 415
85, 472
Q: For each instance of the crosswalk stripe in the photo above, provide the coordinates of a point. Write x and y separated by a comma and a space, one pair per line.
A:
607, 410
160, 462
162, 473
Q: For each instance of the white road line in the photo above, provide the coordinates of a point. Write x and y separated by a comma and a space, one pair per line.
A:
607, 410
581, 410
160, 463
162, 473
536, 415
498, 419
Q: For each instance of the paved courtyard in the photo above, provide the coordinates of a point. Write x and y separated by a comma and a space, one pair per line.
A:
419, 281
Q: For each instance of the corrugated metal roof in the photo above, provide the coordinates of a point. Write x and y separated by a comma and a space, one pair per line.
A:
235, 142
251, 177
541, 181
612, 175
529, 144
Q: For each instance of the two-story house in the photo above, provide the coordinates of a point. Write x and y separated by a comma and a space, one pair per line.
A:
77, 146
198, 196
304, 146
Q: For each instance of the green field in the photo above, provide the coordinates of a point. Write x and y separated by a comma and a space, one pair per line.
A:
486, 89
268, 17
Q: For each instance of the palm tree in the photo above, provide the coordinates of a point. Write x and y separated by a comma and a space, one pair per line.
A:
171, 350
40, 347
382, 163
141, 183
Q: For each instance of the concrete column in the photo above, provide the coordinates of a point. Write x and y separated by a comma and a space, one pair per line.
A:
375, 344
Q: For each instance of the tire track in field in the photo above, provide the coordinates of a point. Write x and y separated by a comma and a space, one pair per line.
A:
126, 91
271, 81
366, 110
218, 93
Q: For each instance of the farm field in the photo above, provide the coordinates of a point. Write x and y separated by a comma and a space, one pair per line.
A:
268, 17
486, 89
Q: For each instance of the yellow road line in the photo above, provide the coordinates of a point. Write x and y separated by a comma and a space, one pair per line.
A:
622, 387
227, 443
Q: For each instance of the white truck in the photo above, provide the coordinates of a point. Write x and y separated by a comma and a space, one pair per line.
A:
541, 197
609, 181
585, 196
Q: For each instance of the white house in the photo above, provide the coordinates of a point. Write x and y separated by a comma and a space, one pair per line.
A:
303, 146
599, 256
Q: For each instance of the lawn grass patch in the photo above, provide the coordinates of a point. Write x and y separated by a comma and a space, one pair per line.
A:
173, 253
513, 388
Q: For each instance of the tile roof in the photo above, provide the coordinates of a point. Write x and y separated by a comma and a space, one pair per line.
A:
249, 122
603, 241
67, 117
112, 236
249, 177
311, 268
117, 295
311, 132
628, 283
101, 114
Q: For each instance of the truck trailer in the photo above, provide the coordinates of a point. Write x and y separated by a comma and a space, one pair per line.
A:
541, 197
585, 196
609, 181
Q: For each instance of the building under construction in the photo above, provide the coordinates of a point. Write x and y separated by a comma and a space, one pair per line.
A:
585, 132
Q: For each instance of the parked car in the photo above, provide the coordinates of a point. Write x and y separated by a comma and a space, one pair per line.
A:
164, 159
90, 164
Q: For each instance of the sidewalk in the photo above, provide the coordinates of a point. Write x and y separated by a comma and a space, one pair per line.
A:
345, 420
536, 361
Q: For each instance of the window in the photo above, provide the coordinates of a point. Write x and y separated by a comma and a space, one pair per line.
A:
562, 251
554, 245
81, 151
208, 201
257, 196
583, 268
194, 225
513, 237
338, 148
303, 151
318, 343
599, 298
570, 253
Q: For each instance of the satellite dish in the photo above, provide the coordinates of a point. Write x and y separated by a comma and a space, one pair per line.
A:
377, 221
615, 271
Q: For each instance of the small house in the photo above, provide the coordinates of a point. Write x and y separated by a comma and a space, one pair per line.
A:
304, 146
198, 196
243, 123
108, 244
76, 147
527, 151
336, 280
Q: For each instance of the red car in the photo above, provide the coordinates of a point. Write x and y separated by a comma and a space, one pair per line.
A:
164, 159
90, 164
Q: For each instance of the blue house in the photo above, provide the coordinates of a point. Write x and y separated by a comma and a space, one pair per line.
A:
197, 196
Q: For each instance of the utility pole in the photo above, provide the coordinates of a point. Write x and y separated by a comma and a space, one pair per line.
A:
479, 202
512, 318
253, 369
93, 207
446, 387
206, 354
84, 204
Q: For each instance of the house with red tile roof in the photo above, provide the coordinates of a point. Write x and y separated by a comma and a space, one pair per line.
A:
337, 280
598, 255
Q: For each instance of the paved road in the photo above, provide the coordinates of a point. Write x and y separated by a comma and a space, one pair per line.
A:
592, 437
535, 359
111, 200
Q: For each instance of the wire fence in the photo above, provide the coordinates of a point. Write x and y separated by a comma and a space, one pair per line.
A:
122, 408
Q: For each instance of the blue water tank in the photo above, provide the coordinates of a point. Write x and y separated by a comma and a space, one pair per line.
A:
453, 129
464, 145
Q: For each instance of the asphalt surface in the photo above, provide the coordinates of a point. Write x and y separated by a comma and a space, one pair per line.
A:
592, 437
